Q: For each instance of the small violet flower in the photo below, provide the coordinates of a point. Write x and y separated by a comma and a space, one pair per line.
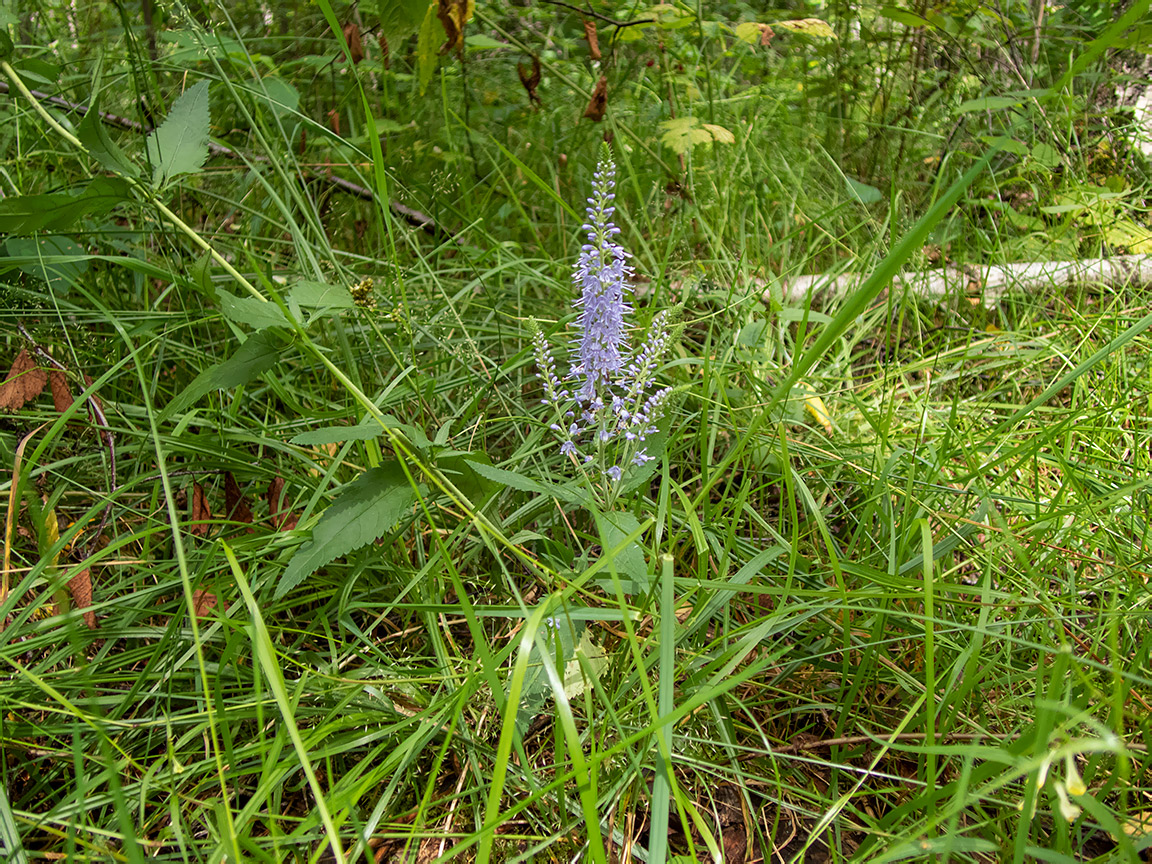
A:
616, 412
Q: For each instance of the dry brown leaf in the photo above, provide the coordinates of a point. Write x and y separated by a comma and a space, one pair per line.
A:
25, 381
200, 512
61, 393
203, 602
80, 587
593, 40
281, 520
598, 104
530, 78
236, 509
334, 121
454, 14
355, 46
385, 53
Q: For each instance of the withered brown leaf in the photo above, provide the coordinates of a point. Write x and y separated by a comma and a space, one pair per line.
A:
385, 53
530, 78
25, 381
203, 602
61, 392
355, 46
454, 14
200, 512
598, 104
281, 519
236, 508
593, 39
80, 587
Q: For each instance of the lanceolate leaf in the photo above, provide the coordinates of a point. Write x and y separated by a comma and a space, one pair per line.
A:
101, 147
59, 211
180, 144
401, 18
368, 508
257, 355
426, 53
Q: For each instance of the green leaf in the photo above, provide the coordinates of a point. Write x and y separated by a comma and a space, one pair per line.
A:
585, 667
180, 144
257, 314
280, 96
369, 507
10, 843
903, 16
864, 193
427, 54
524, 484
306, 293
94, 136
400, 18
988, 103
814, 28
683, 133
480, 42
6, 46
259, 353
58, 260
59, 211
338, 434
629, 562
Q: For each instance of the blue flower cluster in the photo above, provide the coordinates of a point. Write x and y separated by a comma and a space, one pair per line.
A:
614, 408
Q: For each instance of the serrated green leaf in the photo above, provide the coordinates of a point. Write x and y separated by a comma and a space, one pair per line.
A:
180, 144
338, 434
369, 507
57, 260
683, 133
812, 27
427, 55
719, 134
94, 136
259, 353
59, 211
249, 311
400, 18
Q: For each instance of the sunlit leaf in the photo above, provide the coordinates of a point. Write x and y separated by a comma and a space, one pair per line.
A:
180, 144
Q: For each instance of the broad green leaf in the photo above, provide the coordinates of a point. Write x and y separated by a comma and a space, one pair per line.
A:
249, 311
427, 55
6, 46
480, 42
864, 193
259, 353
59, 211
280, 96
719, 134
903, 16
401, 18
94, 136
57, 260
180, 144
988, 103
750, 31
459, 468
338, 434
812, 27
629, 562
369, 507
307, 293
683, 133
558, 638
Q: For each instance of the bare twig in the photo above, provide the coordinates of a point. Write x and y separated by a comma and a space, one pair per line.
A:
619, 25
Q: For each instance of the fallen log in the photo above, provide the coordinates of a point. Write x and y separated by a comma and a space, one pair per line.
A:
985, 283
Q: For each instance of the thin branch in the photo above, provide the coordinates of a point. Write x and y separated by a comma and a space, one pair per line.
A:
619, 25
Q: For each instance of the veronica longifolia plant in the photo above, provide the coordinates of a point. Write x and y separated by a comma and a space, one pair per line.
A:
607, 404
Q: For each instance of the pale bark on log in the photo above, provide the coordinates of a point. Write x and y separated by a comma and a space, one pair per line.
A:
985, 283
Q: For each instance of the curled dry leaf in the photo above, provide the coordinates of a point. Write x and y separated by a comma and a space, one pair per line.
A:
80, 587
236, 508
598, 104
355, 45
203, 602
530, 78
454, 14
593, 41
200, 512
25, 381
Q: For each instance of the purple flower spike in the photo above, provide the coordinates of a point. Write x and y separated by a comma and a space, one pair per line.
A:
602, 274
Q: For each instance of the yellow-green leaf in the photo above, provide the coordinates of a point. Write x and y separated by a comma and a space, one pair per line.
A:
813, 27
